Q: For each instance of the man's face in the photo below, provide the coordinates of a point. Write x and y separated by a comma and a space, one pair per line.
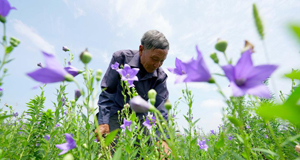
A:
152, 59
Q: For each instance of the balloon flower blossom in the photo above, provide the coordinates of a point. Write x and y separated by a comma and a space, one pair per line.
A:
246, 78
5, 8
53, 72
126, 124
202, 144
194, 70
147, 123
65, 147
72, 70
129, 74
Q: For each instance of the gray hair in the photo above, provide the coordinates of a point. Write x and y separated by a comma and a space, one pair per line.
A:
154, 39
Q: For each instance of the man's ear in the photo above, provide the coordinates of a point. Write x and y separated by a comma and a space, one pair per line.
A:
141, 49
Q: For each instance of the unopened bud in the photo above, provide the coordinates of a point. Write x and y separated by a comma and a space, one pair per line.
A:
1, 92
69, 78
40, 65
98, 74
152, 96
85, 57
14, 41
126, 105
5, 70
214, 57
84, 145
77, 94
69, 156
221, 45
168, 105
65, 48
211, 80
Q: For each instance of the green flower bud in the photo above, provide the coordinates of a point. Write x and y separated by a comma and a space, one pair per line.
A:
69, 156
221, 45
152, 96
2, 19
14, 41
69, 78
84, 145
168, 105
5, 70
98, 74
85, 57
211, 80
214, 57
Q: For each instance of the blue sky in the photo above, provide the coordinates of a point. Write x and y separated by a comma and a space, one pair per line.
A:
107, 26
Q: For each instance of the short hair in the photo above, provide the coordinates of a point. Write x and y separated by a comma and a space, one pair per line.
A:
154, 39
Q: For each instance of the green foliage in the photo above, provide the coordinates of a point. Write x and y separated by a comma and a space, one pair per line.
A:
296, 30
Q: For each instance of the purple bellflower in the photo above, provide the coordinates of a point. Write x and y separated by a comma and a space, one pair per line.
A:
230, 138
245, 78
194, 70
267, 136
65, 48
16, 114
129, 74
5, 8
147, 123
139, 105
72, 70
126, 124
77, 94
65, 147
212, 132
202, 144
53, 72
115, 66
47, 137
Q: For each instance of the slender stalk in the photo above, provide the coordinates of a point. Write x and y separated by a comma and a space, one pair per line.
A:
276, 141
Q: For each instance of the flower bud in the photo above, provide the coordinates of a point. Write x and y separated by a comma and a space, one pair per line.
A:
221, 45
69, 78
152, 96
168, 105
98, 74
40, 65
69, 156
14, 41
248, 46
85, 57
84, 145
5, 70
77, 94
1, 92
2, 19
65, 48
214, 57
211, 80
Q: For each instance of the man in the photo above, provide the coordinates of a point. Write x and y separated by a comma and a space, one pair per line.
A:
150, 56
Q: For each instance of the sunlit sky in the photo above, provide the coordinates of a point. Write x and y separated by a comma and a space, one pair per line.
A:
108, 26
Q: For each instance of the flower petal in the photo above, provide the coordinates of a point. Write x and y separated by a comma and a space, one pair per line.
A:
243, 66
46, 75
69, 138
236, 90
260, 91
261, 73
229, 72
72, 70
52, 63
63, 146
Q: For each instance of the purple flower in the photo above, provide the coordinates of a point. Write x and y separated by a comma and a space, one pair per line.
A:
267, 136
72, 70
16, 114
248, 127
128, 73
53, 72
115, 66
245, 78
202, 144
147, 123
65, 48
139, 105
47, 137
126, 124
174, 116
40, 65
65, 147
63, 101
57, 125
5, 8
179, 70
65, 113
77, 94
230, 138
212, 132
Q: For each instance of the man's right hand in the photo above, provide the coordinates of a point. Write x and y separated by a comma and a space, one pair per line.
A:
103, 128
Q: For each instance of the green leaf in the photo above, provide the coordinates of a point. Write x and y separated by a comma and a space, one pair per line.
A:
258, 22
239, 138
289, 140
110, 137
118, 154
296, 30
294, 75
289, 110
9, 60
265, 151
236, 122
220, 142
223, 156
5, 116
8, 49
236, 156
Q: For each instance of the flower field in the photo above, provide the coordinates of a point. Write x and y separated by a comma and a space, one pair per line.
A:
254, 124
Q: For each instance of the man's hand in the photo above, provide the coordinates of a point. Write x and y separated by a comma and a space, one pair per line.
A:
104, 129
167, 150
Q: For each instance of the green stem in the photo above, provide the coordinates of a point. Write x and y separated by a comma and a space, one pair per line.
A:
276, 141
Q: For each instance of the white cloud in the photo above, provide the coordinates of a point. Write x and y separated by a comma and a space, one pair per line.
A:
213, 103
33, 36
79, 12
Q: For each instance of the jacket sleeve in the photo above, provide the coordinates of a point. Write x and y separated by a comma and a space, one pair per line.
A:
106, 98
